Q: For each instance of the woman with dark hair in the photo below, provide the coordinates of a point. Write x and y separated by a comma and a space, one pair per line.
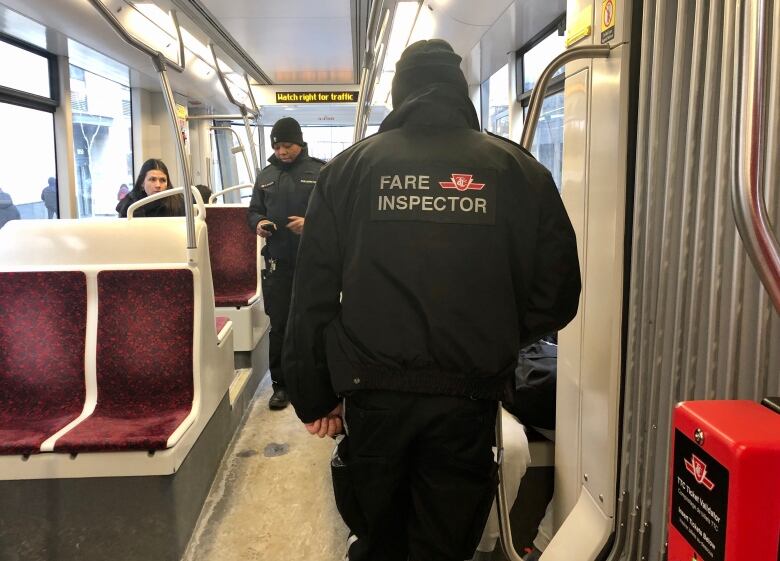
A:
152, 179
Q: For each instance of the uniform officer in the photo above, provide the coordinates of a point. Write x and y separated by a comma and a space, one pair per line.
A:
432, 253
276, 213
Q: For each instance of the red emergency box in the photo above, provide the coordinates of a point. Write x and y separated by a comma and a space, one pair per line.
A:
725, 482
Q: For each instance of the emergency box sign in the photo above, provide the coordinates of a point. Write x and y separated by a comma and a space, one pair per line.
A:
700, 490
724, 485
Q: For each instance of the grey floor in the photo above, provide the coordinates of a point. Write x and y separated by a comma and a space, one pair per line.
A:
272, 499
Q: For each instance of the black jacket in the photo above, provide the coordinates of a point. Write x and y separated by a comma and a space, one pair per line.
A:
8, 210
283, 190
432, 253
169, 206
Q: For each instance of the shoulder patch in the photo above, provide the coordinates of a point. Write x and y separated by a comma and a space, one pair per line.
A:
512, 142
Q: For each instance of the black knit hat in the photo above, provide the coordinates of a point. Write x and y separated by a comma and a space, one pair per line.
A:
287, 129
424, 63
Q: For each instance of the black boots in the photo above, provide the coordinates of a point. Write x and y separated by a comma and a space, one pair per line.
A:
279, 400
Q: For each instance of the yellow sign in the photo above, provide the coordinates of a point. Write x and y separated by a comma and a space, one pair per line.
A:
608, 16
181, 111
317, 97
581, 27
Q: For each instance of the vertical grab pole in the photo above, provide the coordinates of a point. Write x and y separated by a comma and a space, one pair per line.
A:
502, 503
159, 61
167, 92
241, 146
252, 148
749, 143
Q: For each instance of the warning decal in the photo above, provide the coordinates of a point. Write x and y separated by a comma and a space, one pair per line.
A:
700, 491
608, 16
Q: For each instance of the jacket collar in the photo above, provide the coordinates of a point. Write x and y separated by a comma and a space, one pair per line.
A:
435, 105
274, 161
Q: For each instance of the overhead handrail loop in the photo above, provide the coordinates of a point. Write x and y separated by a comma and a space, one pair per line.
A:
160, 62
537, 97
198, 198
749, 143
249, 170
218, 194
225, 86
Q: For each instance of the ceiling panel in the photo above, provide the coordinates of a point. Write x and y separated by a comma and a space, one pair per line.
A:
295, 42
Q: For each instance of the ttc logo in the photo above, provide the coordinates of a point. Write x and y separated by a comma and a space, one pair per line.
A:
461, 182
698, 469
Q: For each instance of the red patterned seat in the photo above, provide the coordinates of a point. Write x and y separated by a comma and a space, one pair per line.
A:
233, 253
144, 362
42, 341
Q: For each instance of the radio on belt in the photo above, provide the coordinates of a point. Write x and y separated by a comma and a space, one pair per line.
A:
725, 482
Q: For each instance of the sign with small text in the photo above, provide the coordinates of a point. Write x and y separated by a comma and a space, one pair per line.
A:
317, 97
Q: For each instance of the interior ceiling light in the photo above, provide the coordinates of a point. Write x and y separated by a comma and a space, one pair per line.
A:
197, 48
157, 15
424, 27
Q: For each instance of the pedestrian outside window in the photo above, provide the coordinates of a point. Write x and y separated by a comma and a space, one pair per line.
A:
27, 163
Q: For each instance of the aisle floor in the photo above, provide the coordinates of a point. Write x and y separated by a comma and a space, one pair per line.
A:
272, 498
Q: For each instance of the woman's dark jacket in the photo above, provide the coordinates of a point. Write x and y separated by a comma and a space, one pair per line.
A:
169, 206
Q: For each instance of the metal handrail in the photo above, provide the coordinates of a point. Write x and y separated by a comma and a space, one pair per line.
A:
537, 97
534, 109
367, 75
214, 117
221, 193
198, 198
251, 138
502, 502
749, 142
161, 62
225, 87
249, 170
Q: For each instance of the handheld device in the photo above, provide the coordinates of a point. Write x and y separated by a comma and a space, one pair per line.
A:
268, 227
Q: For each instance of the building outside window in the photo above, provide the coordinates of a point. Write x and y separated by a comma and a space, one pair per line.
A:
28, 99
547, 145
495, 94
102, 141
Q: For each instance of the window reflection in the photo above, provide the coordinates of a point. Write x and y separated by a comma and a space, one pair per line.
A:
547, 146
539, 56
23, 70
28, 176
497, 95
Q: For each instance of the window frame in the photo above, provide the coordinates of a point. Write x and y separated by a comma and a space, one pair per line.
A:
27, 99
557, 83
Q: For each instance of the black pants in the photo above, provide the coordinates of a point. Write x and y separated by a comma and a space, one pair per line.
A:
415, 477
277, 291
